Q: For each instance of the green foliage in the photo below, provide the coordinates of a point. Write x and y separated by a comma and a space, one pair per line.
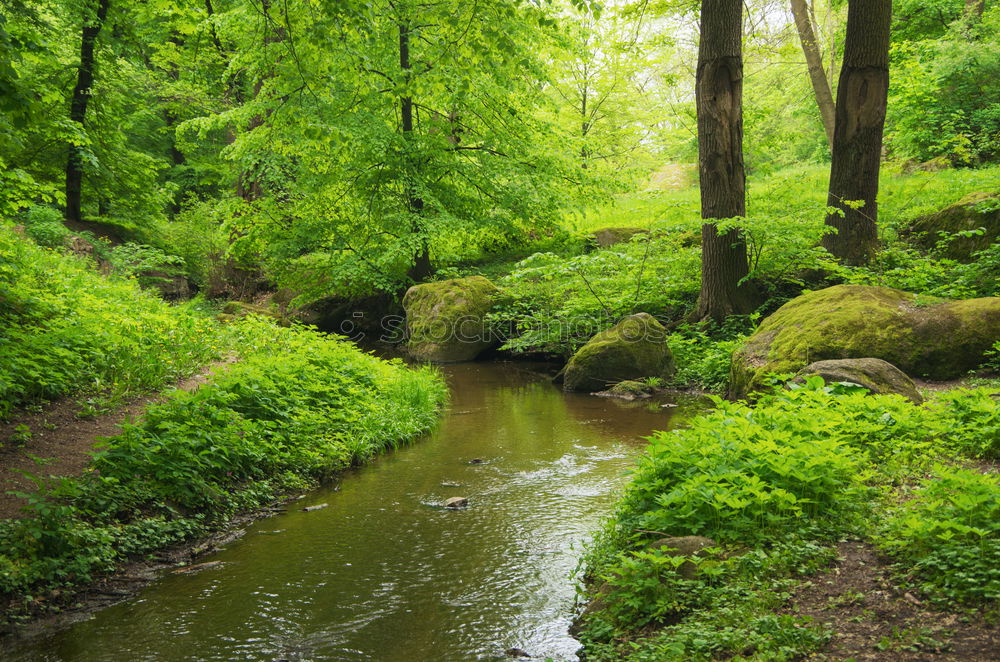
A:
719, 611
45, 225
704, 355
298, 407
66, 329
948, 535
744, 475
945, 97
776, 484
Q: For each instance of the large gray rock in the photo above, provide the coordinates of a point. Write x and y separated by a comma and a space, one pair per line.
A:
633, 349
445, 320
875, 375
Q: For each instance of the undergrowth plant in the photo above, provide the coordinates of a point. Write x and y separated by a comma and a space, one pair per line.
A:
65, 329
947, 537
297, 408
776, 485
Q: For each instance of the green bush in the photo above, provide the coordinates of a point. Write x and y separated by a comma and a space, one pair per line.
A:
65, 329
742, 474
948, 536
44, 224
297, 408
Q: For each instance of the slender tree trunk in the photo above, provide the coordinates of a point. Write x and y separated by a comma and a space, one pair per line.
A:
817, 74
719, 96
78, 109
421, 268
857, 143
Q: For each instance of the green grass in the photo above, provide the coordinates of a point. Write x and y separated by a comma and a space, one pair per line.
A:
802, 189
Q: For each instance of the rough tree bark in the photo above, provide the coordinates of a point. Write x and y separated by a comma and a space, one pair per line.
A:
92, 25
857, 142
814, 60
719, 95
421, 268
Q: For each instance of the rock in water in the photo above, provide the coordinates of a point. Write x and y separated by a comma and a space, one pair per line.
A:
456, 502
927, 338
875, 375
318, 506
446, 320
633, 349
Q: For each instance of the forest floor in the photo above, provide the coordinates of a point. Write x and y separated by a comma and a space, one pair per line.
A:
61, 442
873, 619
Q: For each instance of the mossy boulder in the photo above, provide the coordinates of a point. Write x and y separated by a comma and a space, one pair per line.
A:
445, 320
875, 375
633, 349
610, 236
927, 338
974, 211
234, 310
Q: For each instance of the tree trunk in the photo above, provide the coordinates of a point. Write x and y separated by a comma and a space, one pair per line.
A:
857, 142
78, 109
810, 47
719, 95
974, 9
421, 267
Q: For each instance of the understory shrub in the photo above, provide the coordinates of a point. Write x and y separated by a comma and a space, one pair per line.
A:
65, 328
947, 537
776, 485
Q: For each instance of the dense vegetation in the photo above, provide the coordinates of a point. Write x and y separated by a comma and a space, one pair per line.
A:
776, 486
296, 409
311, 156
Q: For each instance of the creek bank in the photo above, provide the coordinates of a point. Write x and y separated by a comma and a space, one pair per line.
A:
780, 485
297, 410
60, 607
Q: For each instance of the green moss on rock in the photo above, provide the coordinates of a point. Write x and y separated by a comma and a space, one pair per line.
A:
446, 320
942, 340
974, 211
633, 349
610, 236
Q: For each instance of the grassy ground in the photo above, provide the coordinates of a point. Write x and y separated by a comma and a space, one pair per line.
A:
791, 193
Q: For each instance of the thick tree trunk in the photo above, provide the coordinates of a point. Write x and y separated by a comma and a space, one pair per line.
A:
421, 267
857, 143
814, 60
719, 95
78, 109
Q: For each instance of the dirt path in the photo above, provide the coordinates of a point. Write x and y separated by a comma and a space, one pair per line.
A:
875, 620
61, 443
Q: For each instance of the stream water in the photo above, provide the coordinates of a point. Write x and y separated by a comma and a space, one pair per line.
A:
384, 574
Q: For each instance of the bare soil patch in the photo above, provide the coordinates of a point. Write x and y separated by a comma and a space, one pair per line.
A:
874, 619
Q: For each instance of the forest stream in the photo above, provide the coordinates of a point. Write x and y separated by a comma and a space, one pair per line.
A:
383, 572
